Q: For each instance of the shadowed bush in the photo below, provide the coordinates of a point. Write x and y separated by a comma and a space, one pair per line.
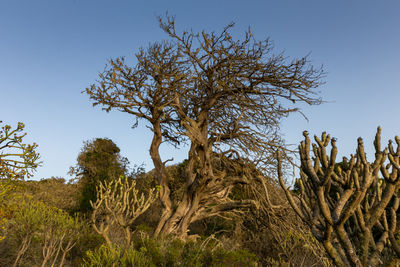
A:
39, 235
170, 252
105, 256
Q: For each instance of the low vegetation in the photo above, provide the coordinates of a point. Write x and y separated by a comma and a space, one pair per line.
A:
45, 226
40, 234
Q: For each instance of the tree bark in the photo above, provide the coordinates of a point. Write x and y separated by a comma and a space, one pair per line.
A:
161, 176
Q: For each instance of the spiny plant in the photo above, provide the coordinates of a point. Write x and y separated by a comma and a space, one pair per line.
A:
120, 203
350, 206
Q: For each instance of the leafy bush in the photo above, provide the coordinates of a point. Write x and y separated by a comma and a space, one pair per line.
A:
6, 188
105, 256
43, 230
98, 161
26, 223
54, 192
206, 252
170, 252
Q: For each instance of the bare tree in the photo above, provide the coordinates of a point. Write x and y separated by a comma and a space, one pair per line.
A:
352, 206
223, 97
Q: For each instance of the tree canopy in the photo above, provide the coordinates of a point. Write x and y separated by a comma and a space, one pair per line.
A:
223, 97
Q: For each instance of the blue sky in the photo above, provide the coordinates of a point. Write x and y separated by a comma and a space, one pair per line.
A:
52, 50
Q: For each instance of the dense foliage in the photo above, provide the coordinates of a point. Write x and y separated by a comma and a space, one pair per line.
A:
98, 161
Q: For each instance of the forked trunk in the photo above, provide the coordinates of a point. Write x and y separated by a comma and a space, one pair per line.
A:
179, 221
161, 177
24, 246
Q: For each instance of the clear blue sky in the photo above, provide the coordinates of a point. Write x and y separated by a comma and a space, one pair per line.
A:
52, 50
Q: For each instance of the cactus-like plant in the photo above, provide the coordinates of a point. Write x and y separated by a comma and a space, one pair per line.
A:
16, 158
120, 201
352, 206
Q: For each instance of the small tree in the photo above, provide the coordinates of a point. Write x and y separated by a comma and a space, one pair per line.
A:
17, 159
351, 206
224, 97
58, 235
99, 161
25, 225
120, 203
54, 230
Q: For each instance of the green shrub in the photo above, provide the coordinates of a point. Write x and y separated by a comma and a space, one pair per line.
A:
7, 188
237, 258
54, 192
104, 256
98, 161
43, 231
169, 252
207, 252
